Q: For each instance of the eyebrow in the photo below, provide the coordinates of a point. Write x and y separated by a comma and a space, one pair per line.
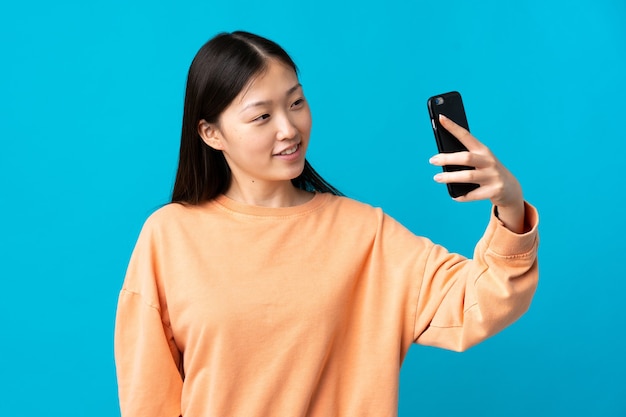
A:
265, 102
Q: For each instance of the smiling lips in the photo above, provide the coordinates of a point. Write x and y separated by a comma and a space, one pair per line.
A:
291, 150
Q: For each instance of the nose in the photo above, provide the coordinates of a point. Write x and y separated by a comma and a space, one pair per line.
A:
286, 128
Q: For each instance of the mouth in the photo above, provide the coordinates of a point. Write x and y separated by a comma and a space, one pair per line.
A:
291, 150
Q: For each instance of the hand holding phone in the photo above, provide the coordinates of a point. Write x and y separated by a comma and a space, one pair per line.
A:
450, 105
488, 180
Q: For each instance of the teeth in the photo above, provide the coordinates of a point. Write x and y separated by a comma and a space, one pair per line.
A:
289, 151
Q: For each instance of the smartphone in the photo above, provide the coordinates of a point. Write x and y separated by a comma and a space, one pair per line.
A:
450, 105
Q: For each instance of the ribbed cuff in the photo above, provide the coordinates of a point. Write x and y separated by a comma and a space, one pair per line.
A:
504, 242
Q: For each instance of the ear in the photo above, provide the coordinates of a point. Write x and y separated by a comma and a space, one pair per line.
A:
210, 134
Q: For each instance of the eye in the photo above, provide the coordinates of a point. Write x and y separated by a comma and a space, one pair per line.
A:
298, 103
262, 117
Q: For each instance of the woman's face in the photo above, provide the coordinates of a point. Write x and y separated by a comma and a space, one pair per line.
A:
265, 131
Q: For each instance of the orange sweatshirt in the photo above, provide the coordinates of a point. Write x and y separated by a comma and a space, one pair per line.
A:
236, 310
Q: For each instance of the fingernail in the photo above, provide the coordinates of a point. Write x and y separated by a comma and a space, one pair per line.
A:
442, 117
433, 160
437, 177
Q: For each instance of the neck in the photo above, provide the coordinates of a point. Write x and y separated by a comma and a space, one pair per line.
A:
282, 194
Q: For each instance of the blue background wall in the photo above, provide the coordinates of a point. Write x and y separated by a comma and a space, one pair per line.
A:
90, 108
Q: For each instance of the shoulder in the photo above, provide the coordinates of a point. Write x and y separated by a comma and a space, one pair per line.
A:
350, 211
350, 206
163, 216
173, 216
361, 223
168, 212
354, 213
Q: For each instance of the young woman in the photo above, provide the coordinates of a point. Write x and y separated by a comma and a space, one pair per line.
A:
260, 291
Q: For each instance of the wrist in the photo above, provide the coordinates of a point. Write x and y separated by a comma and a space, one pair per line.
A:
512, 216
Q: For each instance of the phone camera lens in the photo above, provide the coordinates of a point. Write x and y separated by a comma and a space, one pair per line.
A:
439, 101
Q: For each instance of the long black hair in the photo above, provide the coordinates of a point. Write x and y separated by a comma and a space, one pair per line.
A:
218, 73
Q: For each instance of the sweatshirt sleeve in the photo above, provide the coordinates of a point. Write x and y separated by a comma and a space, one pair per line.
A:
148, 363
462, 302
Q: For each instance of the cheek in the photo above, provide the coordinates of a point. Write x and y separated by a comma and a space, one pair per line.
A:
305, 122
244, 138
253, 142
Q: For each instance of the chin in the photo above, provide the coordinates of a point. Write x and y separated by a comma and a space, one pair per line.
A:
300, 170
291, 175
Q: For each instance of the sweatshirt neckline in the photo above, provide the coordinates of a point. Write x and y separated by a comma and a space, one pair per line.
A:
251, 210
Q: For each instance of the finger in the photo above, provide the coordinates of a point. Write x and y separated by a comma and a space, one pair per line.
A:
464, 158
464, 176
481, 193
457, 158
462, 134
478, 176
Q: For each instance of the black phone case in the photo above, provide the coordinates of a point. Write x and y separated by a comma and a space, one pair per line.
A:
450, 105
